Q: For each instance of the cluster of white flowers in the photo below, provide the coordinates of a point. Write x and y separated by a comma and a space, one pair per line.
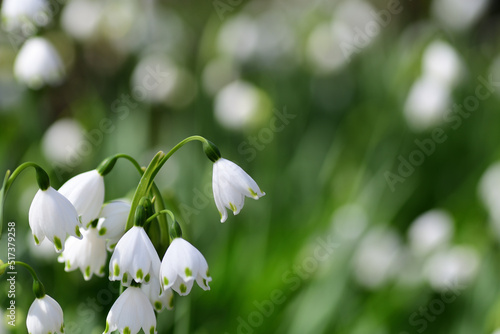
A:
82, 228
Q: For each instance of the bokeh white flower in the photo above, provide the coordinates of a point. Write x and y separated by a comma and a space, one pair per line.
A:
458, 15
238, 105
25, 15
376, 258
52, 215
230, 185
449, 267
430, 231
62, 143
38, 64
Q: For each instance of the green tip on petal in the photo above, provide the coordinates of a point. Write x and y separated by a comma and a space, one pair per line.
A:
139, 274
188, 272
233, 208
101, 271
152, 330
158, 305
126, 330
107, 327
208, 273
205, 282
62, 328
116, 270
253, 193
87, 271
36, 240
57, 243
102, 231
165, 281
68, 265
125, 278
147, 278
77, 231
183, 288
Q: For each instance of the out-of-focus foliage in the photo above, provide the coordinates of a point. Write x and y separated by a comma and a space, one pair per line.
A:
372, 126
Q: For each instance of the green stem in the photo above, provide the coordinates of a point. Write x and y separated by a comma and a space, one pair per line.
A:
159, 203
170, 213
143, 188
175, 148
38, 288
42, 180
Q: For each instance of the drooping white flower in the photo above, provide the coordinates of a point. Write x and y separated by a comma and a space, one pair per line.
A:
159, 298
230, 185
134, 258
181, 265
88, 254
112, 222
130, 313
86, 192
38, 63
25, 14
53, 216
430, 231
45, 316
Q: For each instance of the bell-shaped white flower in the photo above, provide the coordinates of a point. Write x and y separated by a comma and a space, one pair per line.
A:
25, 14
112, 222
45, 316
53, 216
38, 63
130, 313
181, 265
89, 254
134, 258
86, 192
159, 299
230, 185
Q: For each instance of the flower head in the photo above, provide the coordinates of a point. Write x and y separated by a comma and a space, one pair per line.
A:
86, 192
131, 312
88, 254
159, 298
25, 13
45, 316
181, 265
51, 215
38, 63
230, 185
134, 258
112, 222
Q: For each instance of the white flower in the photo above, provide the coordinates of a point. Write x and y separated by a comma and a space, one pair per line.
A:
131, 312
86, 192
159, 298
45, 316
181, 265
134, 257
88, 254
230, 185
112, 221
38, 63
51, 215
25, 14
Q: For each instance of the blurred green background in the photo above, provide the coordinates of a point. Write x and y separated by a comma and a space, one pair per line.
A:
372, 126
